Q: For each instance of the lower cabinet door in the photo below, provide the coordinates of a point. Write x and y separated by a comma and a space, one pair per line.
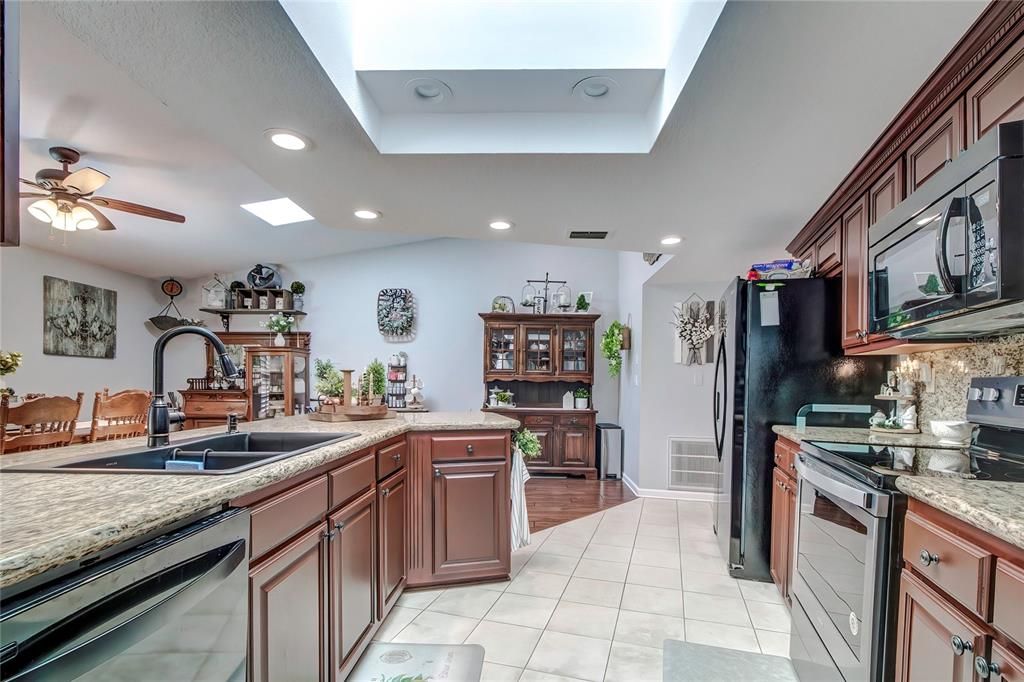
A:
575, 442
392, 504
778, 566
471, 519
935, 643
1004, 666
548, 450
351, 585
287, 612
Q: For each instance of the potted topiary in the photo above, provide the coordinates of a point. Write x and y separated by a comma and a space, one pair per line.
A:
504, 398
298, 294
582, 398
582, 304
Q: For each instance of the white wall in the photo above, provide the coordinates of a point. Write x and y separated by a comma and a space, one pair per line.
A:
676, 398
452, 280
21, 329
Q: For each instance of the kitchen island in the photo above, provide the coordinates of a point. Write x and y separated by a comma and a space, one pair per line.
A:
49, 520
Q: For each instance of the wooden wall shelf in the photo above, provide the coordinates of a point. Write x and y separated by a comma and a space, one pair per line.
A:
226, 313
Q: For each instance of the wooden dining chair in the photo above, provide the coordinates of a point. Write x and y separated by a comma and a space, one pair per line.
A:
38, 423
121, 415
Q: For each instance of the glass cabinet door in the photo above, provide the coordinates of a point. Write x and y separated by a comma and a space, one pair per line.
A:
300, 381
267, 381
538, 349
501, 349
574, 353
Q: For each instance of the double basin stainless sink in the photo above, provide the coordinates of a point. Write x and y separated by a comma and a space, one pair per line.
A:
228, 453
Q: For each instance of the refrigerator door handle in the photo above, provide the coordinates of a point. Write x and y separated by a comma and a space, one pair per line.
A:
720, 397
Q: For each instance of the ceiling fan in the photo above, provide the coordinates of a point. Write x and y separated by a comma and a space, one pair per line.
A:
67, 201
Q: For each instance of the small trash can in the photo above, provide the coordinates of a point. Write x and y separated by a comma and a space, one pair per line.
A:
610, 441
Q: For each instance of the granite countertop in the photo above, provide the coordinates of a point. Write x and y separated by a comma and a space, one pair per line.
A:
51, 519
838, 434
992, 506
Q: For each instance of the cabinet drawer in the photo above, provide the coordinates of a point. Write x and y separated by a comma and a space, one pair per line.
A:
281, 517
351, 480
958, 567
539, 420
391, 458
785, 459
1009, 595
466, 446
574, 420
220, 408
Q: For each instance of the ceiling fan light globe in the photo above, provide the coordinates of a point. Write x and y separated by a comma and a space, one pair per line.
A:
64, 220
83, 218
43, 210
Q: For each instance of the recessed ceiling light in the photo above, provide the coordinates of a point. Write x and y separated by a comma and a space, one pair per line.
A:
429, 90
594, 87
366, 214
286, 139
281, 211
501, 225
671, 240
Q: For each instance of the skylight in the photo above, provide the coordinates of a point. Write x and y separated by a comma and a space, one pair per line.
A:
464, 76
278, 212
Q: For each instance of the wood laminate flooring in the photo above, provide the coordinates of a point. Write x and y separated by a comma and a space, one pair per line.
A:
551, 501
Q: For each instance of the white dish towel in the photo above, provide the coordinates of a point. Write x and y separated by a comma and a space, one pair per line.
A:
520, 522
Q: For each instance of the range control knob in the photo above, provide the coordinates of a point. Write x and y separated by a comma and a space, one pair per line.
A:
990, 395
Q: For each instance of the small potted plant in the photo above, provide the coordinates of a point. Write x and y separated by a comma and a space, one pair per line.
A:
611, 348
378, 380
330, 383
10, 361
582, 304
280, 324
504, 398
527, 443
298, 294
582, 398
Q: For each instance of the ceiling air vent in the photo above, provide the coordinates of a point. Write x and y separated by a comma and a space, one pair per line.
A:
588, 234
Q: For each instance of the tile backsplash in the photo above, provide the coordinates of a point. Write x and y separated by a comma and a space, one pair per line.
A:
953, 369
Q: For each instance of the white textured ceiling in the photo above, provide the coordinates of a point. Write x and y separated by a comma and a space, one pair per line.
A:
785, 98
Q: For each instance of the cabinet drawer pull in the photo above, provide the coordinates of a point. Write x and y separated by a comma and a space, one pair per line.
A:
397, 458
927, 558
984, 668
469, 449
959, 645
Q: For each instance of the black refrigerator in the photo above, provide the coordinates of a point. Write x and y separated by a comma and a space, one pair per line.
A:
779, 347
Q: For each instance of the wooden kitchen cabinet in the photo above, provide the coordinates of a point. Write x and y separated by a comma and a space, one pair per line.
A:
935, 147
576, 448
352, 591
548, 450
392, 506
783, 515
828, 251
1005, 666
998, 95
539, 348
287, 611
926, 648
855, 270
471, 518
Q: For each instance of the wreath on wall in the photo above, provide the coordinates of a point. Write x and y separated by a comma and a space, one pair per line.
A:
396, 312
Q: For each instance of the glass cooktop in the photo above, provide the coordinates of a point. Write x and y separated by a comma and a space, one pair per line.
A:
880, 464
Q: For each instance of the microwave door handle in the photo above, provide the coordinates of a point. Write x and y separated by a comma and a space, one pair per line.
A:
201, 575
955, 209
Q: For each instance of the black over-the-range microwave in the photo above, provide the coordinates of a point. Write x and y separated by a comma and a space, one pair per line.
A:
948, 262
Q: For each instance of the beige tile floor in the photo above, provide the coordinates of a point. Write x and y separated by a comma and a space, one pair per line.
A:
593, 599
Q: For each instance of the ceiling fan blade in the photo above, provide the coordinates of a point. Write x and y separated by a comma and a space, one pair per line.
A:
86, 180
32, 183
138, 209
29, 195
102, 222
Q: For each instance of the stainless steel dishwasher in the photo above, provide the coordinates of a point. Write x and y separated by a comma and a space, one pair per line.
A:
172, 608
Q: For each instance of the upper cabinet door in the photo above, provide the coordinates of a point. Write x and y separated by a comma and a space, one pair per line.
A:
538, 350
998, 96
855, 265
501, 346
885, 194
575, 346
935, 147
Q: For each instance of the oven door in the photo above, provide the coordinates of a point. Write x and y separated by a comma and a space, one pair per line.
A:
840, 567
917, 272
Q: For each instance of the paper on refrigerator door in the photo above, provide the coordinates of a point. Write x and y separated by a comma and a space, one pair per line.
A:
769, 301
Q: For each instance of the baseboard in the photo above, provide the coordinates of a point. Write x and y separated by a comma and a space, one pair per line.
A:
688, 495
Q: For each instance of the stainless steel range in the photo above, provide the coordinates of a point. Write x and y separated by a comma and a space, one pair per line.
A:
850, 525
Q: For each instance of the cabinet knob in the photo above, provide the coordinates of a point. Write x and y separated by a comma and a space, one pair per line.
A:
959, 645
397, 458
328, 535
984, 668
927, 558
469, 449
573, 420
385, 492
437, 473
339, 525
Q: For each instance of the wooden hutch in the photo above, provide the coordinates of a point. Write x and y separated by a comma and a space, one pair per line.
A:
538, 358
276, 381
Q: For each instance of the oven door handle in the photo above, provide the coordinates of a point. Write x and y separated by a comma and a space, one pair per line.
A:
198, 576
834, 484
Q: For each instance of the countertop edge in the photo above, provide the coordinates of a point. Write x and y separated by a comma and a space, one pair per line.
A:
961, 502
